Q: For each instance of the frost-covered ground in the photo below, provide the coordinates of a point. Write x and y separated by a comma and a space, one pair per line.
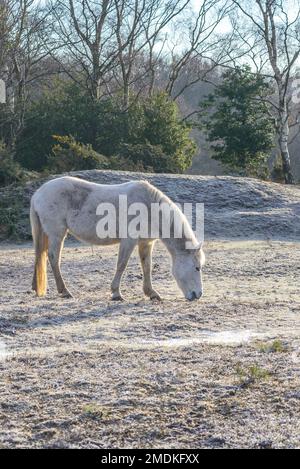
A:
89, 373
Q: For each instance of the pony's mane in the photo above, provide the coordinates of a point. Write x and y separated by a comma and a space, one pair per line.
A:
157, 196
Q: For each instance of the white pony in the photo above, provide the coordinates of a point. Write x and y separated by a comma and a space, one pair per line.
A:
69, 205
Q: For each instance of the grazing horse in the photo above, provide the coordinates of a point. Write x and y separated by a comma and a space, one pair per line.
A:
70, 205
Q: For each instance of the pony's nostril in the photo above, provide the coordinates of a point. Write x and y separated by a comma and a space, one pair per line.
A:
197, 296
193, 296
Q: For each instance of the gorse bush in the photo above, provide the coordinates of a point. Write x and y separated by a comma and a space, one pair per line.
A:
147, 158
150, 123
69, 155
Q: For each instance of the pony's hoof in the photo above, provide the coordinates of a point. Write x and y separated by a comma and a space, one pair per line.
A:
117, 297
66, 294
155, 297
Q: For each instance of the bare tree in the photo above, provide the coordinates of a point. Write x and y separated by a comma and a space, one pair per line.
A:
141, 32
166, 42
200, 42
84, 31
105, 40
21, 25
271, 38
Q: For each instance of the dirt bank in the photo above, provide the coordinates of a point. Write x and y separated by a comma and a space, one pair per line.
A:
234, 207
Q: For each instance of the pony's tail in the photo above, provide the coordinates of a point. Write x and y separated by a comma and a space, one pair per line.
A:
40, 240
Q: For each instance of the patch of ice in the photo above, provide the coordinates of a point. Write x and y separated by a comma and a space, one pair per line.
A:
3, 351
209, 337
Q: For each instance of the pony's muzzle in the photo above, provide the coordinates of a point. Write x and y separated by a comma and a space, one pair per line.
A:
194, 296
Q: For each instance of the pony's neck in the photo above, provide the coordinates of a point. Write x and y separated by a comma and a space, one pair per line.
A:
187, 239
174, 244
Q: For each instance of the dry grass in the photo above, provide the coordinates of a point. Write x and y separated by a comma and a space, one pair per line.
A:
90, 373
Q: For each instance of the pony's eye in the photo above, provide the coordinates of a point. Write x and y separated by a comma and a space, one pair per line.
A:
198, 269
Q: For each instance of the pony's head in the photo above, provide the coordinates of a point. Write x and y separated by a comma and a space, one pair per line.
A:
187, 270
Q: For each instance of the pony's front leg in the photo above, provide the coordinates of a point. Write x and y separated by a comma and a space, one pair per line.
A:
145, 251
125, 250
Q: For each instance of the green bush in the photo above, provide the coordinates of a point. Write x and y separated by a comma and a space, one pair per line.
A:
9, 218
238, 123
153, 123
66, 110
69, 155
105, 126
118, 163
148, 157
10, 171
165, 128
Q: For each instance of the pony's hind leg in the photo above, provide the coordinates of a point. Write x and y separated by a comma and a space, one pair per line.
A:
55, 250
125, 250
145, 252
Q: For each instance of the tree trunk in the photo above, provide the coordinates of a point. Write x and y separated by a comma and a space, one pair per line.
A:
126, 95
286, 163
283, 139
